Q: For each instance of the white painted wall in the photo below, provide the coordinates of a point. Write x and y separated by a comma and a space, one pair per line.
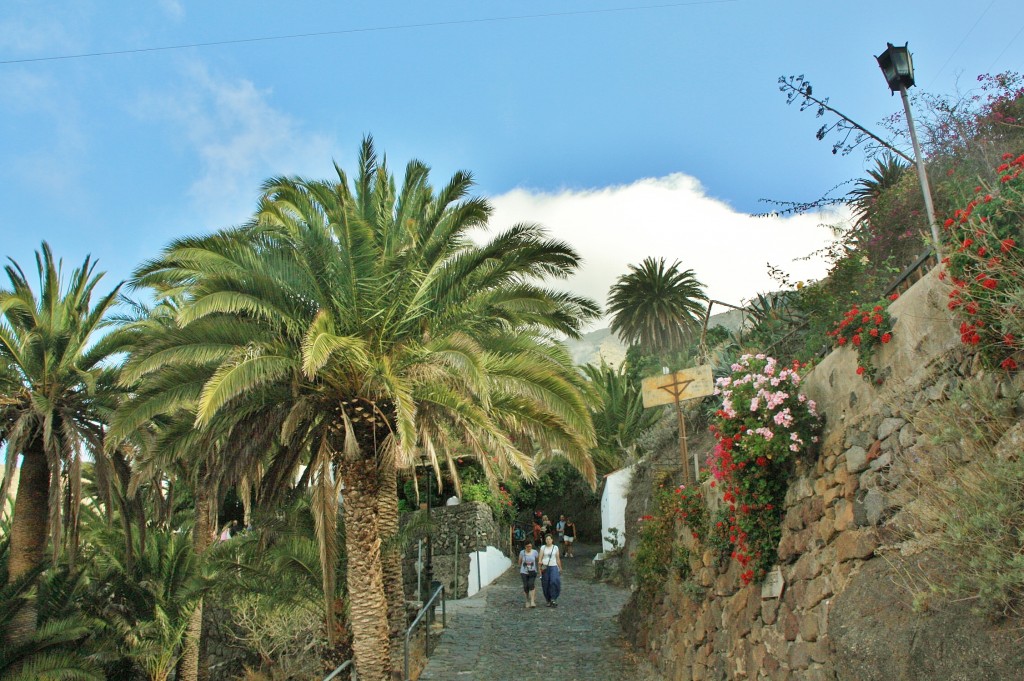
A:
492, 564
613, 504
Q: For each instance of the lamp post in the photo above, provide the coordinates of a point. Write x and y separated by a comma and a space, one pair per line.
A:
428, 471
897, 66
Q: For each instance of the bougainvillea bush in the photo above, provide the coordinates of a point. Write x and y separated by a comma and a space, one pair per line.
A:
985, 265
865, 328
763, 425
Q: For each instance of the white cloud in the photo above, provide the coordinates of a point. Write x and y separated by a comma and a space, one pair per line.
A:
173, 9
670, 217
240, 139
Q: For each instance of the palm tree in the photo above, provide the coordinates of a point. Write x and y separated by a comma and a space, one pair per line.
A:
55, 409
384, 331
888, 171
656, 307
618, 414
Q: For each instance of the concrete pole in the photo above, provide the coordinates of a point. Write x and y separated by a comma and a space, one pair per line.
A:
922, 175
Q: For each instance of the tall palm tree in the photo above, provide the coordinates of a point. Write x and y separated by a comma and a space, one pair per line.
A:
656, 306
63, 391
386, 332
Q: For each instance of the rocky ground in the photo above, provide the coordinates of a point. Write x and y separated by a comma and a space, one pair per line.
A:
492, 637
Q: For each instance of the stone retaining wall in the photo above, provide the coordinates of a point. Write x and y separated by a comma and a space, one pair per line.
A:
842, 612
471, 522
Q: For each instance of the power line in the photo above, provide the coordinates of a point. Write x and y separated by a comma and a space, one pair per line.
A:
1012, 40
963, 40
374, 29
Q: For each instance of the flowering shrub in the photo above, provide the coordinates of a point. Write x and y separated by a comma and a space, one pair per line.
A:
985, 266
763, 424
653, 556
865, 328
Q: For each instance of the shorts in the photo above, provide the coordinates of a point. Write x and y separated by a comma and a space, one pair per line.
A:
568, 540
529, 581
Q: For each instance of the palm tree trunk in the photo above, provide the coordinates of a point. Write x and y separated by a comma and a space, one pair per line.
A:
365, 579
202, 537
28, 535
394, 586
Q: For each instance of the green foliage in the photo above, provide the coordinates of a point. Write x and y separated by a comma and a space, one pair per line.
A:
60, 648
655, 548
501, 504
865, 328
619, 416
557, 479
969, 498
985, 241
656, 306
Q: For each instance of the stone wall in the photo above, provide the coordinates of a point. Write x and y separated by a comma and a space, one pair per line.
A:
463, 521
842, 612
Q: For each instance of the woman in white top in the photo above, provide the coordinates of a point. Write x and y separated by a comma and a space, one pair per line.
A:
528, 559
550, 571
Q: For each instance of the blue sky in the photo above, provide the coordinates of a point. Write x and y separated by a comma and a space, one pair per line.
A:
630, 128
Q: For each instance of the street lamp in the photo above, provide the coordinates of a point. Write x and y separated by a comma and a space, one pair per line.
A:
898, 68
428, 472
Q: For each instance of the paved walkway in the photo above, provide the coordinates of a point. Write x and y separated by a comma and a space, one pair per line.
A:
492, 637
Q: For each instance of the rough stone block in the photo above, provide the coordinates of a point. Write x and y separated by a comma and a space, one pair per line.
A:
856, 459
794, 518
800, 489
856, 544
812, 511
908, 436
817, 590
819, 651
844, 515
769, 611
790, 624
809, 629
800, 656
826, 529
883, 460
870, 507
890, 426
807, 566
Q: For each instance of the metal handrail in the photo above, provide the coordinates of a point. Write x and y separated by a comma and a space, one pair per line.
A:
921, 261
427, 608
344, 665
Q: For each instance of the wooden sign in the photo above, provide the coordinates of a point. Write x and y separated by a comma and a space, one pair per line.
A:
682, 385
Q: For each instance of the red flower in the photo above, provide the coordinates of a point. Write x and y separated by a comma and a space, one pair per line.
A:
1009, 364
1008, 338
886, 337
990, 284
1006, 244
856, 339
860, 371
874, 332
894, 296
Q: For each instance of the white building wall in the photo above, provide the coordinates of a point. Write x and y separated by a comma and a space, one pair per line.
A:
613, 505
490, 564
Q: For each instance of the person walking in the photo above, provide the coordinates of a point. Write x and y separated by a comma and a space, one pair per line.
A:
569, 536
551, 571
528, 571
560, 529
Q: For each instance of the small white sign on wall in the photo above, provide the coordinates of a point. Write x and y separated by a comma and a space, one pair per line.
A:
773, 583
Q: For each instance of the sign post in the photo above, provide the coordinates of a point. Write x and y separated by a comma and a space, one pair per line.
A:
682, 385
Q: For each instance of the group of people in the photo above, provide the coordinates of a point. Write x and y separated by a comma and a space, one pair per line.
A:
545, 560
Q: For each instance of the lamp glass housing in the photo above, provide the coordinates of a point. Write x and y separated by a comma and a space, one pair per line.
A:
897, 66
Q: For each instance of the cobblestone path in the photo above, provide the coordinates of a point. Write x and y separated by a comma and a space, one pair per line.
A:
494, 638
